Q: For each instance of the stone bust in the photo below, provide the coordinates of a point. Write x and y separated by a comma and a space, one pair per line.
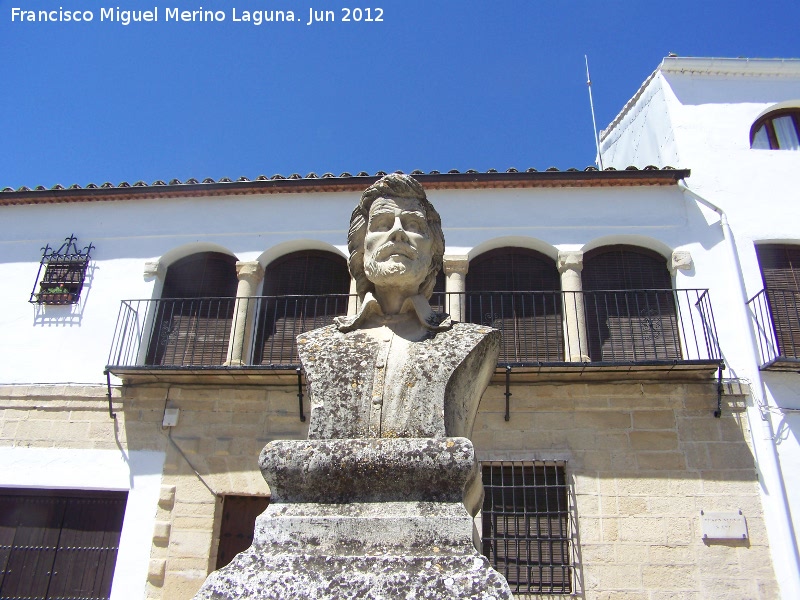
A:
396, 368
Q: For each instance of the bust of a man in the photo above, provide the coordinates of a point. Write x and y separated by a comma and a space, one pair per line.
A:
396, 368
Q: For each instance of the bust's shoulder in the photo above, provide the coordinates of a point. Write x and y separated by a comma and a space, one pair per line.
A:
473, 330
320, 333
466, 335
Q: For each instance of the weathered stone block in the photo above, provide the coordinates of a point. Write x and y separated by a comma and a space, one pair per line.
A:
363, 518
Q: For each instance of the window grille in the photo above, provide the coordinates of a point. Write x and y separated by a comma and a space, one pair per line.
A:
526, 534
61, 273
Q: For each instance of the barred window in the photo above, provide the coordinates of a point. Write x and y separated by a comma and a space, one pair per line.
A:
526, 534
62, 273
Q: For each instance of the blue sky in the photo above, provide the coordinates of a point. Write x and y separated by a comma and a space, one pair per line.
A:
435, 85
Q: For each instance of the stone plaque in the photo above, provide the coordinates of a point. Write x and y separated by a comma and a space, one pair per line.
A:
723, 525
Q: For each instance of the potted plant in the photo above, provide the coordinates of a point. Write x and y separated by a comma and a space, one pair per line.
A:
56, 294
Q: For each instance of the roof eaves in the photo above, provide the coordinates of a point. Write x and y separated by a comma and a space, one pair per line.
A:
295, 183
730, 66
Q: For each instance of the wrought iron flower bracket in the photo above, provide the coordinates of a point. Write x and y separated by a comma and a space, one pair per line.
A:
61, 273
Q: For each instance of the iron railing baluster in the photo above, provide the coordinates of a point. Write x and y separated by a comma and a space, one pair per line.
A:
620, 327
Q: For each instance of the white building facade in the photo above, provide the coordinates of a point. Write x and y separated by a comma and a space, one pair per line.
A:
148, 357
736, 123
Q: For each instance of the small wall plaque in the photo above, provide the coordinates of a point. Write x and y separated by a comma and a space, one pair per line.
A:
723, 525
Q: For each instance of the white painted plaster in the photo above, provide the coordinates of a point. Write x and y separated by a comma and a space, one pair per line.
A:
710, 105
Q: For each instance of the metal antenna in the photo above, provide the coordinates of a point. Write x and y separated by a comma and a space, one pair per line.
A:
594, 123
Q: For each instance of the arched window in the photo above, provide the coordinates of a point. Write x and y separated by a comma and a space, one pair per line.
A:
777, 130
195, 313
303, 291
780, 270
517, 291
629, 305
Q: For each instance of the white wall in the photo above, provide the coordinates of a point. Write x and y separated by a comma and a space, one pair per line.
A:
709, 105
56, 344
138, 473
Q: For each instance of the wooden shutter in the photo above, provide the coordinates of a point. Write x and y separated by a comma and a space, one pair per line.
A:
630, 306
59, 544
238, 525
312, 277
195, 315
780, 271
516, 290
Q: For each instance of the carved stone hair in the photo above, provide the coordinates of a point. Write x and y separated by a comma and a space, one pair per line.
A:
394, 185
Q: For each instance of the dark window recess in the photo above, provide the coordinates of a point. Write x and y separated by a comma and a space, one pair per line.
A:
61, 273
526, 534
304, 290
194, 316
630, 305
238, 524
778, 130
499, 294
780, 271
59, 544
437, 299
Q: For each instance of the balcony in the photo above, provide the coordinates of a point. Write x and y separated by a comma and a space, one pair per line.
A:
776, 313
592, 335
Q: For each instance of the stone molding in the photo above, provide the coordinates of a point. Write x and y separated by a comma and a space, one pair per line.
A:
252, 271
455, 263
681, 260
569, 261
154, 269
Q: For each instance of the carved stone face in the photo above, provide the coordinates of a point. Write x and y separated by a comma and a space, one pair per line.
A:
397, 245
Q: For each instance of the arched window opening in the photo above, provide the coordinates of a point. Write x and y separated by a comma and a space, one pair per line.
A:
517, 291
777, 130
780, 271
195, 313
629, 305
302, 291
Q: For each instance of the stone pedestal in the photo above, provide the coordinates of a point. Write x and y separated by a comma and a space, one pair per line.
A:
363, 518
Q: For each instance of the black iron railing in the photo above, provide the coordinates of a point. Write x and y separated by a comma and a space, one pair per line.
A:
614, 327
776, 313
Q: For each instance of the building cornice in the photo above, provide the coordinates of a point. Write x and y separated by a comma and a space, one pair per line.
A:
328, 183
753, 67
758, 67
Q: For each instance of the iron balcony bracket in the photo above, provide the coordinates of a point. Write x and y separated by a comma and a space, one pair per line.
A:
300, 393
718, 412
111, 412
508, 393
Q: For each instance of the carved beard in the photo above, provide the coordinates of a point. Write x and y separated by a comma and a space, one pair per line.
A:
396, 273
